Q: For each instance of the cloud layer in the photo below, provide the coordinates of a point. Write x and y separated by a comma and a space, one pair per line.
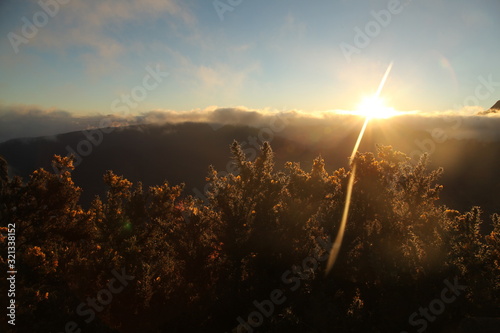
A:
32, 121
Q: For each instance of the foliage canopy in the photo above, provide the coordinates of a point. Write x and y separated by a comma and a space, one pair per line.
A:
198, 265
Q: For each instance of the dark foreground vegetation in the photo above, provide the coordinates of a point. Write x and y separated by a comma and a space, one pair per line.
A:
155, 260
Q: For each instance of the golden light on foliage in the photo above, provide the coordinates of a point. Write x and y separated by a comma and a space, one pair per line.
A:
372, 108
404, 242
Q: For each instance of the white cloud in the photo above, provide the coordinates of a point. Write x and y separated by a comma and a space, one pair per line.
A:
31, 121
90, 27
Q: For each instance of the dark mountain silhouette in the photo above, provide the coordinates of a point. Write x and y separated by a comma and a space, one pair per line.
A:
181, 153
494, 109
496, 106
147, 153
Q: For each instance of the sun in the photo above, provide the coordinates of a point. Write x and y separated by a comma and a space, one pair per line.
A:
374, 107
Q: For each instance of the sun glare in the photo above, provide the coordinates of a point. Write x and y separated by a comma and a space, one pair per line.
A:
374, 107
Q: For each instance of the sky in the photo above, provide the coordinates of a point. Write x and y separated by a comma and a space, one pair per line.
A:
123, 56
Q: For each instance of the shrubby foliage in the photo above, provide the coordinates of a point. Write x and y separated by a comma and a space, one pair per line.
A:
199, 265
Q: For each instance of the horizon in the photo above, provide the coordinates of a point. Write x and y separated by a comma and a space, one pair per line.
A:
115, 57
243, 166
26, 122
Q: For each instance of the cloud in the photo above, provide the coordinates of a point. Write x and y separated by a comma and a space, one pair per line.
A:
92, 26
32, 121
25, 121
216, 79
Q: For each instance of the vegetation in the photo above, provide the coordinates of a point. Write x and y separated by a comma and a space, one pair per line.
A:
196, 266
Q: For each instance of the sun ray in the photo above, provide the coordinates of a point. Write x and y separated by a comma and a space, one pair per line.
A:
334, 252
382, 83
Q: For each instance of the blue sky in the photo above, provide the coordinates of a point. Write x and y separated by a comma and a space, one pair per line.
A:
275, 54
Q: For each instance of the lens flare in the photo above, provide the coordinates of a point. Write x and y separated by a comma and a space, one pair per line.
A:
334, 252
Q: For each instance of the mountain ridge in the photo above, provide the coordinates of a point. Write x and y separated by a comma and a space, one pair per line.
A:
494, 109
182, 153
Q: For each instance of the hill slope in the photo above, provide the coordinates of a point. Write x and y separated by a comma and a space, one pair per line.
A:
181, 153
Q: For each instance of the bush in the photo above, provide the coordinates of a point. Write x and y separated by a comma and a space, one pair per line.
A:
198, 266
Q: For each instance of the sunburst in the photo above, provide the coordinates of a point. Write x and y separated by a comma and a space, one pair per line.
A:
374, 107
380, 111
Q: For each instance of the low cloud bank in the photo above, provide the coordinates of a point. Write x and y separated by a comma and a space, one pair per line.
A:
30, 121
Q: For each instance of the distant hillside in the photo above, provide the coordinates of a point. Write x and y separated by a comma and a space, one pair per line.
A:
494, 109
147, 153
182, 153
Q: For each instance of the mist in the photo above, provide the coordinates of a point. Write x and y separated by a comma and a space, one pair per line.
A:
32, 121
